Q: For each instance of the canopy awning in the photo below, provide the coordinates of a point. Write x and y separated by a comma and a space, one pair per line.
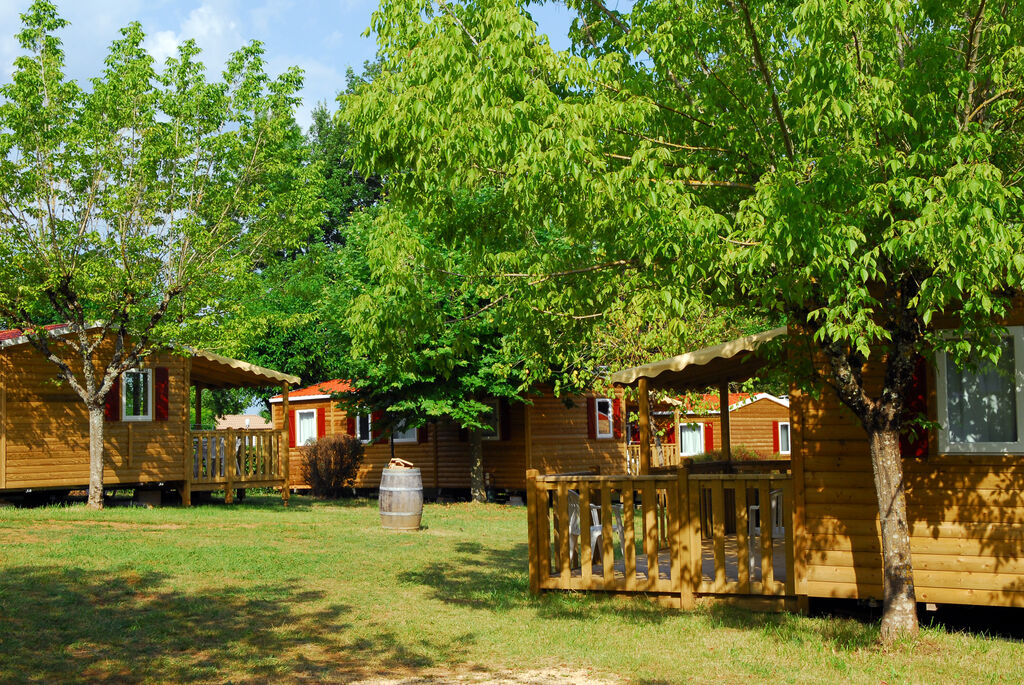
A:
735, 360
214, 371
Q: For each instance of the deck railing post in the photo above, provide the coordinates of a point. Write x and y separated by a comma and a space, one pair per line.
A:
228, 455
533, 530
679, 512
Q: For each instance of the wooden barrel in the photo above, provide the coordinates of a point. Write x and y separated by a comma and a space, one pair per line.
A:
401, 499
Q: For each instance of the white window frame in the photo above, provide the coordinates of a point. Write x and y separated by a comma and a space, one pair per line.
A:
369, 428
611, 418
124, 396
400, 427
496, 413
945, 445
789, 435
298, 417
679, 437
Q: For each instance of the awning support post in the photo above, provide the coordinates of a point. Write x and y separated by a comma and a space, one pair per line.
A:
723, 405
645, 428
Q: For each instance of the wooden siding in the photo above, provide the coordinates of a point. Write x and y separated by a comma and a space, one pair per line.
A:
545, 435
44, 429
752, 425
966, 513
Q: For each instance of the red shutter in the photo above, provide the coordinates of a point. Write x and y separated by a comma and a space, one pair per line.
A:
375, 421
350, 425
161, 393
591, 418
709, 436
422, 435
112, 402
914, 439
776, 445
291, 428
321, 423
503, 419
617, 418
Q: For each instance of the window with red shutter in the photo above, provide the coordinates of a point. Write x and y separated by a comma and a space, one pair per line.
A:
161, 393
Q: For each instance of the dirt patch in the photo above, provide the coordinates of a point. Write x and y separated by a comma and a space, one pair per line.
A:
546, 676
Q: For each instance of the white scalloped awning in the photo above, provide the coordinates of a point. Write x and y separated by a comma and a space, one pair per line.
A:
214, 371
731, 361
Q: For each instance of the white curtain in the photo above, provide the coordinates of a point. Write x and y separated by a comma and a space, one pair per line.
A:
982, 401
307, 427
691, 439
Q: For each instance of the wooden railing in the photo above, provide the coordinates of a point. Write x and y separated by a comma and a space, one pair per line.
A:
236, 459
678, 534
663, 455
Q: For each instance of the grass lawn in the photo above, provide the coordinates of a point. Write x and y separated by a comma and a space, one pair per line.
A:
253, 592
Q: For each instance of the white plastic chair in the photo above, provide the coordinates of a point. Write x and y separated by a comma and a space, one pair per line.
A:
597, 531
778, 527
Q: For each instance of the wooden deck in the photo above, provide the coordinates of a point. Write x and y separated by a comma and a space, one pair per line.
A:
723, 535
707, 564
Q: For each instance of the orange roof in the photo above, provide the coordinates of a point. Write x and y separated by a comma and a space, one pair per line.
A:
710, 401
12, 333
318, 391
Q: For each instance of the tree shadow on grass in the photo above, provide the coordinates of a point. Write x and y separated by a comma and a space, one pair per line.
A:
496, 579
76, 625
841, 634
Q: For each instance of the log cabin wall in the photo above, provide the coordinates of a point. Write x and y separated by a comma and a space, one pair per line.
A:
44, 429
965, 511
546, 435
753, 426
559, 441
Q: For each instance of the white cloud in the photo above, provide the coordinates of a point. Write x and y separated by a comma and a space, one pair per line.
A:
215, 30
162, 45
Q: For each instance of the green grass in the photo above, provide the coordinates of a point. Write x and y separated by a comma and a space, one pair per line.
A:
254, 592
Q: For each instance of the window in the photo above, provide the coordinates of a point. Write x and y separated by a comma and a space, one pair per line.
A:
691, 439
492, 422
604, 420
305, 427
137, 395
980, 406
403, 434
784, 447
363, 428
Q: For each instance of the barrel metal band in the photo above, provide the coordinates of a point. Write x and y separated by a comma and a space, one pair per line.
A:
383, 489
399, 513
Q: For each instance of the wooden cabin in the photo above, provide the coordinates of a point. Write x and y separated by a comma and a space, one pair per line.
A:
148, 442
964, 489
690, 427
548, 433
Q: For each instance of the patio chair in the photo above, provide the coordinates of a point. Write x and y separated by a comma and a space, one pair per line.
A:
596, 531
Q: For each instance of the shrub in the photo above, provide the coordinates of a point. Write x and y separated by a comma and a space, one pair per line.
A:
331, 463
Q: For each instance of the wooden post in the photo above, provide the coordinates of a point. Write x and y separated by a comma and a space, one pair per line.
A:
528, 429
682, 557
645, 428
675, 436
228, 455
3, 428
286, 440
187, 454
436, 437
723, 404
533, 532
198, 423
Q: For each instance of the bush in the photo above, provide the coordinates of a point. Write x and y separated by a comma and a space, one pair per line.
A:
331, 463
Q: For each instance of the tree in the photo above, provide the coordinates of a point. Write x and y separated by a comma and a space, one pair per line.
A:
851, 166
127, 205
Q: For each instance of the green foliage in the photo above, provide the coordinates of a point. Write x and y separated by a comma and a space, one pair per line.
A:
127, 205
835, 164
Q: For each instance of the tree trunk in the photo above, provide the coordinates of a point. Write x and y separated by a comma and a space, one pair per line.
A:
477, 487
899, 616
95, 457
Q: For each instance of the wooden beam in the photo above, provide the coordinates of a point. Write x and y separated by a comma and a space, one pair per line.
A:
723, 405
645, 428
528, 430
285, 442
187, 456
198, 423
3, 427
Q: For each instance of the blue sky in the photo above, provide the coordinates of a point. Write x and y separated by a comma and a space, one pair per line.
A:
324, 37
